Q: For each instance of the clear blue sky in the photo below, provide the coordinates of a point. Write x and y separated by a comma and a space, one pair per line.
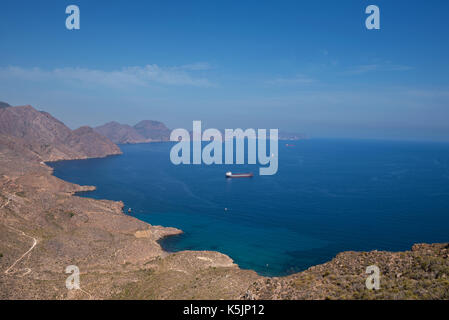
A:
302, 66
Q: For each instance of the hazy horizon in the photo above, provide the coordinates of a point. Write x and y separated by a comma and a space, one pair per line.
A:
303, 67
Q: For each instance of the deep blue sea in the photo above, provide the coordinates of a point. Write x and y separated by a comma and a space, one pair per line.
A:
328, 196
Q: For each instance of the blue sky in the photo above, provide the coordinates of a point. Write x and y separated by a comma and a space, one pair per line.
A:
302, 66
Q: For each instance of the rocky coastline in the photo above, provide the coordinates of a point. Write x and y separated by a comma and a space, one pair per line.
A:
45, 227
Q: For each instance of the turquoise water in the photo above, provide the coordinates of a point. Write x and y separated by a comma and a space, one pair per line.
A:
328, 196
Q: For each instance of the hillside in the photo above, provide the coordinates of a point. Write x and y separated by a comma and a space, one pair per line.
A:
51, 139
153, 130
4, 105
120, 133
143, 132
422, 273
44, 228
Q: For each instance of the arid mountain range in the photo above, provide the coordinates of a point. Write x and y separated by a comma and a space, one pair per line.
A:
155, 131
45, 227
143, 132
4, 105
51, 139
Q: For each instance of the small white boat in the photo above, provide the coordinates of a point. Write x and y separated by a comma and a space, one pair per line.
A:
239, 175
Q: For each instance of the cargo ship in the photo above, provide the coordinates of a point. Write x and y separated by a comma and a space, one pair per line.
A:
238, 175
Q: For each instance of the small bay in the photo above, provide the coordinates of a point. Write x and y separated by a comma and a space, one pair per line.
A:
328, 196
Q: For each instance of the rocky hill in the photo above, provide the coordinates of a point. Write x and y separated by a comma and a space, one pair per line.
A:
143, 132
4, 105
120, 133
153, 130
422, 273
91, 144
51, 139
44, 228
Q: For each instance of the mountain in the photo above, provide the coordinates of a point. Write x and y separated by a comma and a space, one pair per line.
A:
153, 130
4, 105
120, 133
156, 131
44, 227
144, 131
49, 138
87, 141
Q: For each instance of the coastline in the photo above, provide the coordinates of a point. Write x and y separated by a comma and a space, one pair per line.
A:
121, 258
171, 231
158, 234
98, 237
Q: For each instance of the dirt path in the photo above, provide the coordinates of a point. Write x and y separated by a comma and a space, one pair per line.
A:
28, 270
6, 203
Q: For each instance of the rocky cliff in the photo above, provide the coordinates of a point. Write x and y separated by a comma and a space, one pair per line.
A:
51, 139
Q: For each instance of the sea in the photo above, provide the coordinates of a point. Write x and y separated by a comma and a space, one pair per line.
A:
328, 196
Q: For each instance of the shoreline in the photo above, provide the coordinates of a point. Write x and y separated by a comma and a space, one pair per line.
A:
162, 238
120, 256
165, 237
88, 188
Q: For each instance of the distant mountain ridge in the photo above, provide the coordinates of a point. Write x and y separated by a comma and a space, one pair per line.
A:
49, 138
155, 131
120, 133
4, 105
143, 132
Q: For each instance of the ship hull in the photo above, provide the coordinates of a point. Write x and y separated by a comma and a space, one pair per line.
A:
239, 175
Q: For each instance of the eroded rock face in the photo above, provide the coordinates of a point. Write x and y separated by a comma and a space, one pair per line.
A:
49, 138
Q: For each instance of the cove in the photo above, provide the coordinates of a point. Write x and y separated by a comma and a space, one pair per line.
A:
328, 196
